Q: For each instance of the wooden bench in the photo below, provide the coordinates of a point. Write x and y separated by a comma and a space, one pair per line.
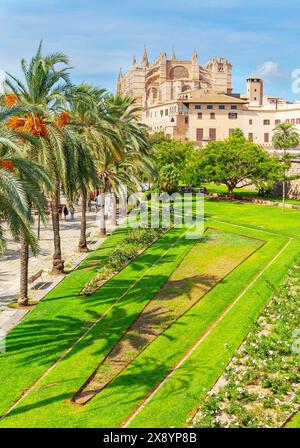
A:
35, 276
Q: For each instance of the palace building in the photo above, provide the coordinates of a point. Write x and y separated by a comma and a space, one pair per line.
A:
193, 102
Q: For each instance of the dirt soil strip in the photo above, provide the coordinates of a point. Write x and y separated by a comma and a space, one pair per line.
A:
206, 333
201, 269
34, 385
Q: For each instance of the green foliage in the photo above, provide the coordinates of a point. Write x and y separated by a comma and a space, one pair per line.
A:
168, 179
136, 240
237, 162
182, 156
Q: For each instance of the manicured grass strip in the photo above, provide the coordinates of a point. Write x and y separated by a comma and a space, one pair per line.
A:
173, 403
63, 316
49, 406
210, 260
133, 385
68, 375
50, 327
294, 422
268, 218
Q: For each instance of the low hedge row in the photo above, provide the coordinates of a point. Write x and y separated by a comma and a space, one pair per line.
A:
136, 241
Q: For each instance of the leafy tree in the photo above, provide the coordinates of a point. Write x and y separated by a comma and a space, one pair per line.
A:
168, 179
237, 162
182, 155
285, 137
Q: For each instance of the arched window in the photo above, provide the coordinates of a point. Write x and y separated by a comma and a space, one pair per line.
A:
179, 72
185, 88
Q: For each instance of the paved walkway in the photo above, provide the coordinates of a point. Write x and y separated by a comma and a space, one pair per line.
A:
10, 266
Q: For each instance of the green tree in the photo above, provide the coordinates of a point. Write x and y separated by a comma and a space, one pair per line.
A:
168, 179
285, 137
29, 181
40, 101
237, 162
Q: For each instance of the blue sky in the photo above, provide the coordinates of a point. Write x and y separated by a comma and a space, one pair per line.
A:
259, 37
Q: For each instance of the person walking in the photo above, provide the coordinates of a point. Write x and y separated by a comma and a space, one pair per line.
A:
72, 212
90, 204
65, 212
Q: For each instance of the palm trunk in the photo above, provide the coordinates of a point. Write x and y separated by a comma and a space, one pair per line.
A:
58, 263
82, 245
24, 259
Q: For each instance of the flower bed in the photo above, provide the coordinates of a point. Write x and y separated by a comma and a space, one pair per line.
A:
261, 385
136, 241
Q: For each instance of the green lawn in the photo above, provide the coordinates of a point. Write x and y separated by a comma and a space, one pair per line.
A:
246, 192
63, 316
295, 422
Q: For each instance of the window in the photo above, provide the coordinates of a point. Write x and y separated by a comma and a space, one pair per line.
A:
212, 134
212, 115
255, 98
233, 107
199, 134
186, 120
277, 122
166, 112
250, 121
266, 137
250, 136
199, 115
287, 120
210, 107
161, 113
297, 120
197, 106
172, 120
266, 122
221, 107
232, 116
293, 120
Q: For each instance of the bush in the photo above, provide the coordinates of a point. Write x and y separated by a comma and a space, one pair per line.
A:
136, 241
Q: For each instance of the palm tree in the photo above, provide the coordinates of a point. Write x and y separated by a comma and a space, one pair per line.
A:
127, 163
96, 134
40, 100
285, 137
27, 178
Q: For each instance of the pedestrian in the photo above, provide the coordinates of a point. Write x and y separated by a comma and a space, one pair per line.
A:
72, 212
90, 205
66, 212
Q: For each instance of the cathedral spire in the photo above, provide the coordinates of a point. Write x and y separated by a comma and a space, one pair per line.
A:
145, 61
195, 57
133, 61
120, 77
173, 56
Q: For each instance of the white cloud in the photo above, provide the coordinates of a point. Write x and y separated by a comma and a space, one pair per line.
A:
269, 69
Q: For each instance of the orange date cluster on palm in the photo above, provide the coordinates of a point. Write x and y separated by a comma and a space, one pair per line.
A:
7, 165
10, 100
35, 124
32, 124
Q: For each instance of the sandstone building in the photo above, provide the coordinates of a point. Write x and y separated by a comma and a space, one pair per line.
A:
193, 102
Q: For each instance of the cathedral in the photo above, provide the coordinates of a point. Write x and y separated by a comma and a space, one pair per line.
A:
165, 78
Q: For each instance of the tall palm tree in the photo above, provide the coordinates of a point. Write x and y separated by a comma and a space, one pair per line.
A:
28, 179
130, 162
40, 100
285, 137
96, 134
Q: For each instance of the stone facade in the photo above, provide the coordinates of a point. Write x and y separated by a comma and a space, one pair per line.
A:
164, 79
193, 102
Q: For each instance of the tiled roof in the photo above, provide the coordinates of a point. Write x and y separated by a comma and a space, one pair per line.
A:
195, 96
